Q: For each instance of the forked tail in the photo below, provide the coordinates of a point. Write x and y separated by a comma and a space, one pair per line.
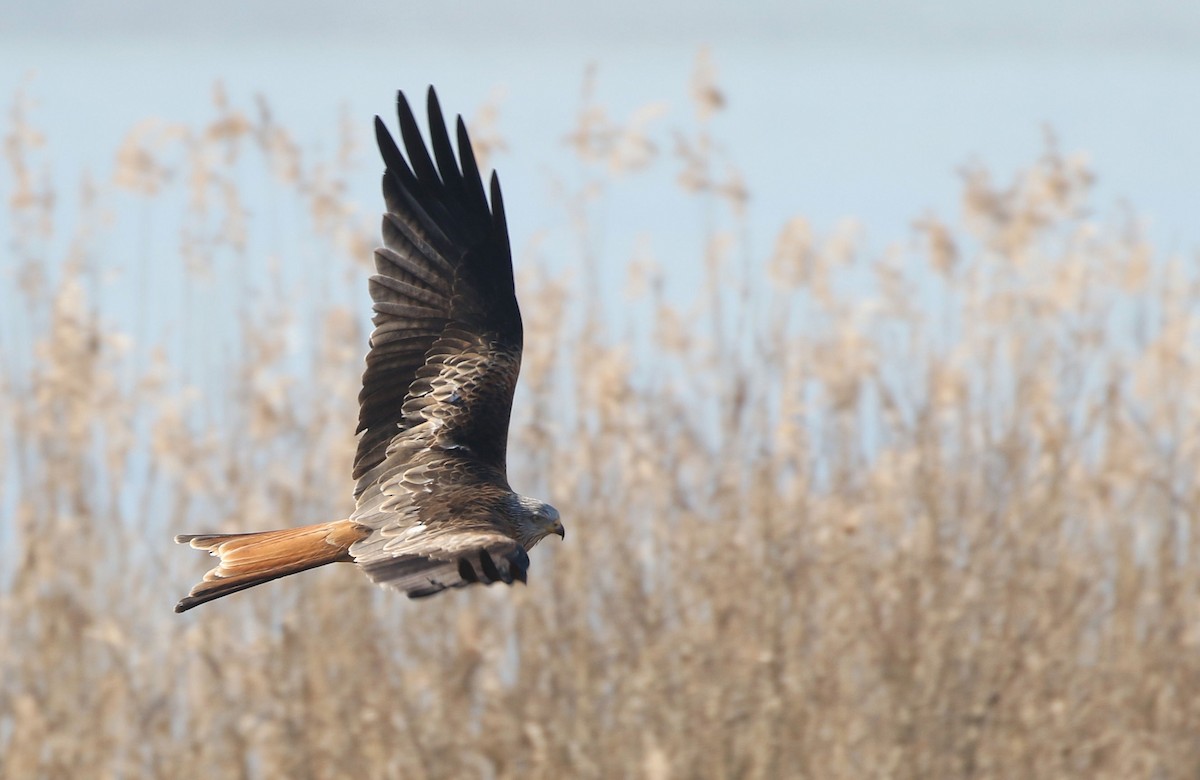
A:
252, 559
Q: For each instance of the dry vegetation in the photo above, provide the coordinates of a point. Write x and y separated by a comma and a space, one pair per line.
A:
923, 512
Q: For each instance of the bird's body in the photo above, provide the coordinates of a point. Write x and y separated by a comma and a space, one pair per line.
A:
433, 506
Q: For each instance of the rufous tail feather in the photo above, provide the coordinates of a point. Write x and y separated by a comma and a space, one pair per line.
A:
252, 559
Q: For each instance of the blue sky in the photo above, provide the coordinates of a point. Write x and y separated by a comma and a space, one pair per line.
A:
836, 109
1087, 25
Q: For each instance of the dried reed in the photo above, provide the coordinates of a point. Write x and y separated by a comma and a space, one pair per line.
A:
925, 512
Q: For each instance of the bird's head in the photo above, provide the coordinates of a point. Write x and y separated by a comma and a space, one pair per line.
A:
538, 520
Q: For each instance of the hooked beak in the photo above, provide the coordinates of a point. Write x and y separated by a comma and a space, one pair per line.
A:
558, 529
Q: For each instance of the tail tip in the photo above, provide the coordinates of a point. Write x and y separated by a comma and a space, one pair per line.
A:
186, 603
192, 539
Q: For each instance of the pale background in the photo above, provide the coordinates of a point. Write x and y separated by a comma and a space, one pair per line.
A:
835, 109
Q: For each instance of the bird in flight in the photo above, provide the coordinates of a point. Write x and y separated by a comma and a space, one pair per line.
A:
433, 508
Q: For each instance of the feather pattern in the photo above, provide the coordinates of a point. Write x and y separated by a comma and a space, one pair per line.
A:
443, 365
443, 282
433, 506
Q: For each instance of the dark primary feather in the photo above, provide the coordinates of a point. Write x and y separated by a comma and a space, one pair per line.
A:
444, 277
493, 559
441, 372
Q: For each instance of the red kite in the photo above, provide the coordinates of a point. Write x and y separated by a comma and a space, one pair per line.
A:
433, 506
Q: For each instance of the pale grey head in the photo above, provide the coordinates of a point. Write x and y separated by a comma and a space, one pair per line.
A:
535, 520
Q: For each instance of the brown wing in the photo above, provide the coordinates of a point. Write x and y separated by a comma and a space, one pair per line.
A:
445, 307
441, 371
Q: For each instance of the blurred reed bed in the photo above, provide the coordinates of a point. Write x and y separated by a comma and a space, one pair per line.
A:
922, 511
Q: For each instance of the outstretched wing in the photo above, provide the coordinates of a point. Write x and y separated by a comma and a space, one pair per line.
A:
446, 347
441, 371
